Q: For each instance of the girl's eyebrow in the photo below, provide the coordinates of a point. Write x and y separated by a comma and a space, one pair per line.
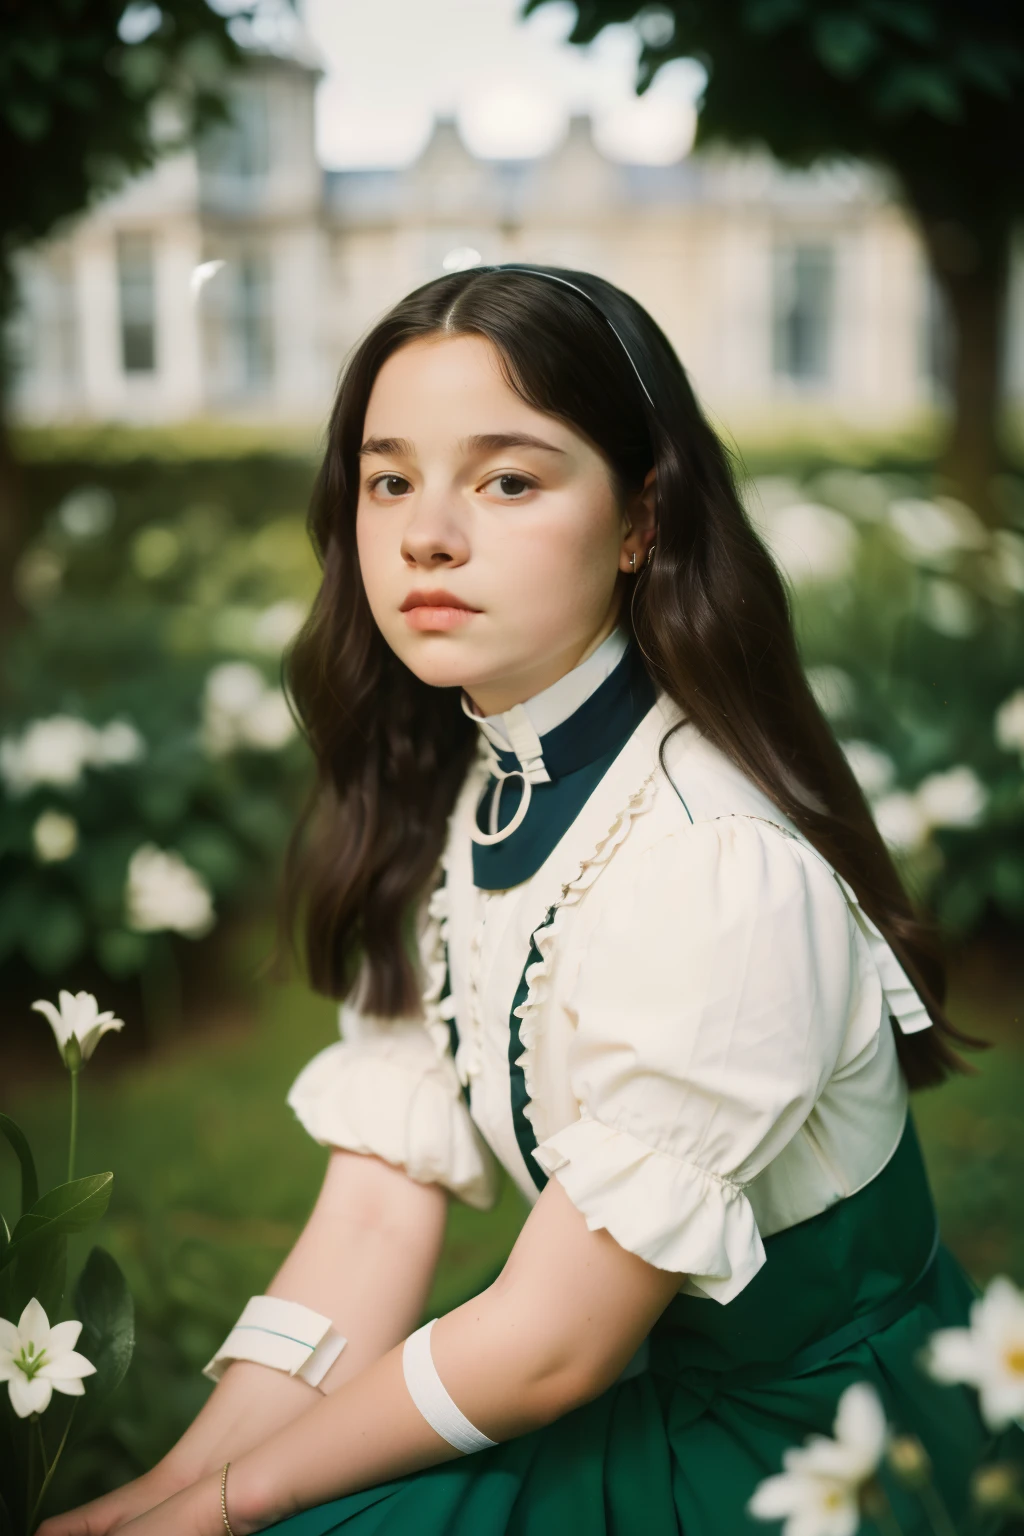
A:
483, 442
387, 448
491, 442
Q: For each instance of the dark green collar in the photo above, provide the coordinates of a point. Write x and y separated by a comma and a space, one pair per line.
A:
577, 754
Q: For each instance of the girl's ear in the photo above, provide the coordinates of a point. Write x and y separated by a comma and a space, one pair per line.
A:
642, 514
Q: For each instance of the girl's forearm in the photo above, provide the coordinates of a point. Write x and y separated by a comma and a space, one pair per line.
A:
369, 1431
366, 1259
248, 1404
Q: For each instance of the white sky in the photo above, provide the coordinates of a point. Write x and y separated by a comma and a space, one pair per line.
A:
393, 65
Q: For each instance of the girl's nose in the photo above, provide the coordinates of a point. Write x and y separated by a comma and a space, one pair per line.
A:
434, 533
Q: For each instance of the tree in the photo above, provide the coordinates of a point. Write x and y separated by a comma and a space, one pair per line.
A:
92, 91
930, 91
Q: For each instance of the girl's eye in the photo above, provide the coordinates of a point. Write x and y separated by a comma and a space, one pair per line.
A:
512, 486
390, 486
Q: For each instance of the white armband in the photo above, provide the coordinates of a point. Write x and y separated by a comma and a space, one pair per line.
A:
427, 1391
282, 1334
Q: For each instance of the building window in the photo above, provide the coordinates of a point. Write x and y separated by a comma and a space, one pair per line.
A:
256, 320
136, 288
238, 326
240, 148
802, 302
43, 335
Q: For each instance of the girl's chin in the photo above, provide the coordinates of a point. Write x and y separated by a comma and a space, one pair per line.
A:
439, 663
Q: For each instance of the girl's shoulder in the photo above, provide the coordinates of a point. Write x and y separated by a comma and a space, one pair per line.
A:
691, 783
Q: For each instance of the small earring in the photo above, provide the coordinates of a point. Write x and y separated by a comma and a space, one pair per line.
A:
632, 561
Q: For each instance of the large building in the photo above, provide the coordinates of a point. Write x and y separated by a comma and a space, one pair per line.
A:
232, 281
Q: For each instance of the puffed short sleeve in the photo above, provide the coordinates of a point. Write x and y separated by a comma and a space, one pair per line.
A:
710, 1010
384, 1089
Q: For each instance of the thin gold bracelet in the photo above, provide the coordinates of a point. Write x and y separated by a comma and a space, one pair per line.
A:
224, 1498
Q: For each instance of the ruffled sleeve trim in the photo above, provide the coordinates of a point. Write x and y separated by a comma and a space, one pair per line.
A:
391, 1096
670, 1213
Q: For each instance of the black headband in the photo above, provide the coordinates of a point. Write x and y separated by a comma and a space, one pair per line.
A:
509, 266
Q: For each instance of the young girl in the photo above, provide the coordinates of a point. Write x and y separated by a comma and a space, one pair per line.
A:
667, 978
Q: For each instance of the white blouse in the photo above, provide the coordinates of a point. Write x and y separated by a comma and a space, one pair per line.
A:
705, 1036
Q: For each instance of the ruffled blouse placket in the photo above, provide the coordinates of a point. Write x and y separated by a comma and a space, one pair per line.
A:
561, 882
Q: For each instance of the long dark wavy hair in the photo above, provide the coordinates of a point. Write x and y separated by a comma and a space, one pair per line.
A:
710, 612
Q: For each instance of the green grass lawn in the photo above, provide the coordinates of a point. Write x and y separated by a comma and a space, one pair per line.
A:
214, 1177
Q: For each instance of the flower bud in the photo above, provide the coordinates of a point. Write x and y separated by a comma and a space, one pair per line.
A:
909, 1460
995, 1485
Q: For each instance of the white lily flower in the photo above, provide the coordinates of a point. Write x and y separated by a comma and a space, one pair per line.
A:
818, 1494
56, 752
873, 769
935, 530
269, 725
240, 710
54, 837
1009, 723
834, 690
900, 819
278, 625
37, 1360
812, 542
165, 893
78, 1018
955, 798
988, 1355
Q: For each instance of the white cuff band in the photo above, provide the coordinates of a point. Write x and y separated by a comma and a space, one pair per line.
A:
427, 1391
282, 1334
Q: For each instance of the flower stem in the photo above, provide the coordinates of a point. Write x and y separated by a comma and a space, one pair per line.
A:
50, 1470
936, 1510
161, 990
73, 1136
878, 1506
30, 1478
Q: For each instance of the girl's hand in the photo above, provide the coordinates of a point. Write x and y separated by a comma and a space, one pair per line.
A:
194, 1511
113, 1510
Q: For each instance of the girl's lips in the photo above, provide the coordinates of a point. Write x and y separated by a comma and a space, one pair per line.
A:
426, 617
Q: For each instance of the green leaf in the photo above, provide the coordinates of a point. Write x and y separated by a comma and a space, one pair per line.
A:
23, 1152
40, 1271
991, 68
909, 18
920, 87
960, 905
767, 16
41, 55
59, 939
104, 1305
1008, 884
67, 1208
29, 118
6, 1523
844, 42
122, 953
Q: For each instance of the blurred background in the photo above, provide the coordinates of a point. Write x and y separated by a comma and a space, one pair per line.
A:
209, 205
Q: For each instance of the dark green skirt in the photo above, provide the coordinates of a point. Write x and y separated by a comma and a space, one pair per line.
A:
850, 1295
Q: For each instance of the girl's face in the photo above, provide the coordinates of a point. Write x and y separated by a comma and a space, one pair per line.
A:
468, 493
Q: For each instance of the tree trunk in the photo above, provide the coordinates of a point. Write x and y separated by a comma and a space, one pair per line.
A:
13, 533
13, 518
972, 273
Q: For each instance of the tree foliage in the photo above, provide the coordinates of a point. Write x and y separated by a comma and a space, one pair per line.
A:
930, 91
92, 91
